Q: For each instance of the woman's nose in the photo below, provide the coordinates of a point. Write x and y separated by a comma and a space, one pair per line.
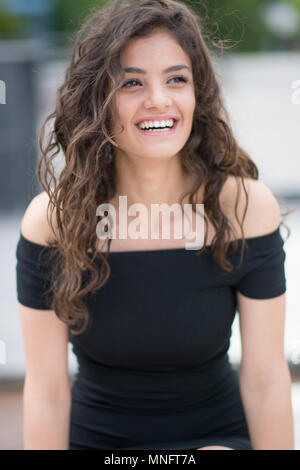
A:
157, 97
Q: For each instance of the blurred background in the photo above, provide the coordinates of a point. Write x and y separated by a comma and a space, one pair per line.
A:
259, 70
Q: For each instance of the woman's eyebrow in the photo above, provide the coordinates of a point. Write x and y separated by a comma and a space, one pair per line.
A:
173, 68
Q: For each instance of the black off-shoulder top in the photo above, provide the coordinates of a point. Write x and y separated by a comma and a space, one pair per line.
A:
153, 369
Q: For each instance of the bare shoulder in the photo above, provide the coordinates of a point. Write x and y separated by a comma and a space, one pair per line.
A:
35, 226
263, 211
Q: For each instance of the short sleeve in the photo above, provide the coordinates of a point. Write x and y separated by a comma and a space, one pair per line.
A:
33, 274
263, 275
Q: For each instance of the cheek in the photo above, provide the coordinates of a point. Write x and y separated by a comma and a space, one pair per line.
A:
126, 107
188, 104
123, 110
191, 103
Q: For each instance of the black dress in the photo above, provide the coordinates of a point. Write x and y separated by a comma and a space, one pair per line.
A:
154, 372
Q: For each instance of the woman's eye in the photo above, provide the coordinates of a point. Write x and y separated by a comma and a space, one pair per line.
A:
181, 79
129, 81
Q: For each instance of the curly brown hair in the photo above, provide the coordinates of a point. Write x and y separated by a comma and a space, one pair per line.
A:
85, 109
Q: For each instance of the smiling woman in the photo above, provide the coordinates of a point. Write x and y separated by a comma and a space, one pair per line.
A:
146, 100
140, 114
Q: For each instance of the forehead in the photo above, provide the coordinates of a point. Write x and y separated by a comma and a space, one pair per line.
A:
158, 47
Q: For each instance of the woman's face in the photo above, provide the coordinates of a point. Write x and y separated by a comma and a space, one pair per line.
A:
155, 94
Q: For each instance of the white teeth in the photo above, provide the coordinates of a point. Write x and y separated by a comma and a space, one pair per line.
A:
155, 124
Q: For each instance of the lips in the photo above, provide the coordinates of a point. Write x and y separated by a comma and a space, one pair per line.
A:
157, 133
157, 118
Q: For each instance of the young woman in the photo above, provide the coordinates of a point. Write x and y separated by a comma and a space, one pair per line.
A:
140, 115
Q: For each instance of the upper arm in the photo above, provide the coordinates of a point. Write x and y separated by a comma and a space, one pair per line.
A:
262, 337
45, 337
35, 225
261, 320
261, 209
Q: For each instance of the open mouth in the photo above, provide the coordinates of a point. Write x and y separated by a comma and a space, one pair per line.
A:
166, 130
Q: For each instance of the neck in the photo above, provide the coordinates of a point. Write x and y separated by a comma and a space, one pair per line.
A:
151, 182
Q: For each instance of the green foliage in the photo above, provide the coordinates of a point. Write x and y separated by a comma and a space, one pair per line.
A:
70, 13
296, 3
241, 23
12, 26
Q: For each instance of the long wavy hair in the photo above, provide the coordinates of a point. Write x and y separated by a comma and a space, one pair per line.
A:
84, 111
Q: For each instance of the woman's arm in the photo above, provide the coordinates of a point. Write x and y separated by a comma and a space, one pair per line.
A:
265, 381
46, 394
